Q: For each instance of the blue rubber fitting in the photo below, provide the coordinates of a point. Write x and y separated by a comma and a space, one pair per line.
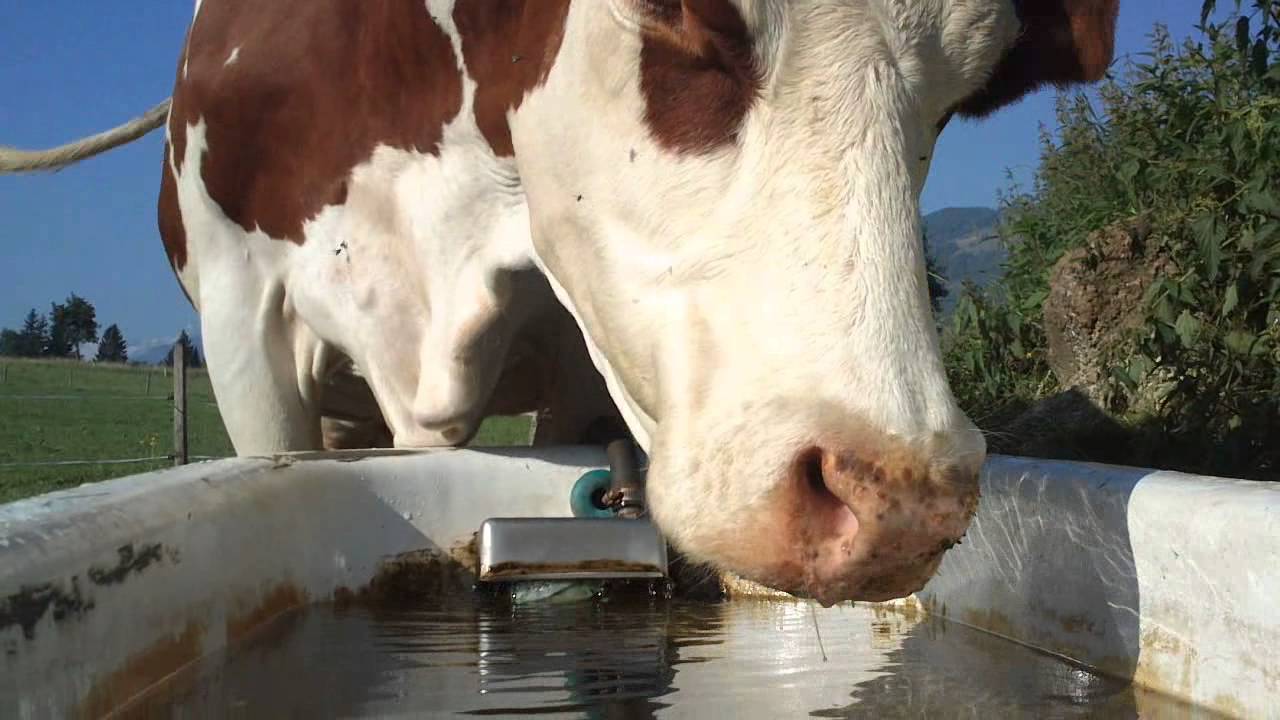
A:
584, 498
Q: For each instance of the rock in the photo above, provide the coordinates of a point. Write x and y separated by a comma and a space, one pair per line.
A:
1095, 299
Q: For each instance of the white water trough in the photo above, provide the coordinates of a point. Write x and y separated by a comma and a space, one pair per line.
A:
1167, 579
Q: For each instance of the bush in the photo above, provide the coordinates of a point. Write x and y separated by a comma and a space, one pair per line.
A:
1188, 140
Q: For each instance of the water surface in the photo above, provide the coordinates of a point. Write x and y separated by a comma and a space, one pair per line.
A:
636, 659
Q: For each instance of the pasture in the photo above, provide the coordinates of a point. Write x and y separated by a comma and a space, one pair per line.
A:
61, 410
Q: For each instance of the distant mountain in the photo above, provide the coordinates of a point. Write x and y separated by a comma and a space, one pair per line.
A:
153, 352
966, 246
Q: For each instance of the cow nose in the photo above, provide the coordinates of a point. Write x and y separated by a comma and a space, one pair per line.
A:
874, 526
452, 429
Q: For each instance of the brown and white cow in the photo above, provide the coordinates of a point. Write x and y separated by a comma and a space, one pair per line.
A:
433, 198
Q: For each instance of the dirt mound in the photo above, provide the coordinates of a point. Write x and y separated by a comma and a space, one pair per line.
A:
1095, 298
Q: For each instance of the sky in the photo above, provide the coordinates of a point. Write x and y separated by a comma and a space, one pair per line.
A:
69, 68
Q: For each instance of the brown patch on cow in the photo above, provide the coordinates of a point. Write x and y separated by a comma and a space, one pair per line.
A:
169, 217
141, 671
1062, 42
317, 85
176, 141
280, 599
508, 48
698, 73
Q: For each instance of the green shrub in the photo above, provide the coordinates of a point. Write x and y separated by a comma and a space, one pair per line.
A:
1189, 140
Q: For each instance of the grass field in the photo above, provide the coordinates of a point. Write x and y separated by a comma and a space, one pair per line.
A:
67, 410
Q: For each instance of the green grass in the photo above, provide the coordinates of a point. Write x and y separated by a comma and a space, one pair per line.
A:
66, 410
503, 431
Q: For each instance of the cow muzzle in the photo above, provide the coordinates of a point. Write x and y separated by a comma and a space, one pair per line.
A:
873, 530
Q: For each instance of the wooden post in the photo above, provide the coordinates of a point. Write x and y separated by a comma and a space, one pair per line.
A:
69, 371
179, 404
4, 373
148, 390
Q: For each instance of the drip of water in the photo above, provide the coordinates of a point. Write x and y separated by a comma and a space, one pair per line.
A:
813, 612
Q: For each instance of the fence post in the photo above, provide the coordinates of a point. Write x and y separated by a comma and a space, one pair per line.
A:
179, 404
148, 390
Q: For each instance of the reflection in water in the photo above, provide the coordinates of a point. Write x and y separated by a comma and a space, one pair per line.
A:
586, 658
635, 658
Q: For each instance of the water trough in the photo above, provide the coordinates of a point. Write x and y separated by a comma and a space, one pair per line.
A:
1168, 579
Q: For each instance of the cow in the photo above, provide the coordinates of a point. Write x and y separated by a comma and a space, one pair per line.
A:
398, 217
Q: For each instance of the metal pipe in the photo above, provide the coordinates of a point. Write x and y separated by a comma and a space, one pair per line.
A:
626, 487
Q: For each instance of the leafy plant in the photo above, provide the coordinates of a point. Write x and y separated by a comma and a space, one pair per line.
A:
1188, 138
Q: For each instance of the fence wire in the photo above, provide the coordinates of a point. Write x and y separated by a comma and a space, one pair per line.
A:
37, 382
115, 461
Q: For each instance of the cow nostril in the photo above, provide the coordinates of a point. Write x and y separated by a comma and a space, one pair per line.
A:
822, 502
811, 464
814, 480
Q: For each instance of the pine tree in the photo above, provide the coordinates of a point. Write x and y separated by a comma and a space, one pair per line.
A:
193, 353
58, 342
34, 335
10, 342
112, 347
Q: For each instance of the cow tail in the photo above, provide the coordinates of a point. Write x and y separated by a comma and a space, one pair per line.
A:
13, 160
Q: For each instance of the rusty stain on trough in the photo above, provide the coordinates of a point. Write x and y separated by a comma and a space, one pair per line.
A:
413, 576
416, 575
467, 552
130, 561
1079, 623
1158, 641
141, 671
280, 599
993, 621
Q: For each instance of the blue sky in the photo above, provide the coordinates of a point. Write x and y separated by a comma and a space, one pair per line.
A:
69, 68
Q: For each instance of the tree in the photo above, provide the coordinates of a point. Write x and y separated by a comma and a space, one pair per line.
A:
33, 337
57, 342
73, 322
112, 347
937, 284
10, 342
193, 353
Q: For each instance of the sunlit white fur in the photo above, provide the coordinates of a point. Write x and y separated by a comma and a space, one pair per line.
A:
406, 278
740, 304
728, 292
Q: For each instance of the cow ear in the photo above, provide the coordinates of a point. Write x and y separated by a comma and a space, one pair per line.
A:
698, 71
712, 30
1063, 42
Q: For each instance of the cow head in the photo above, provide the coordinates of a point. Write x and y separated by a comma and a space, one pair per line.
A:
726, 195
